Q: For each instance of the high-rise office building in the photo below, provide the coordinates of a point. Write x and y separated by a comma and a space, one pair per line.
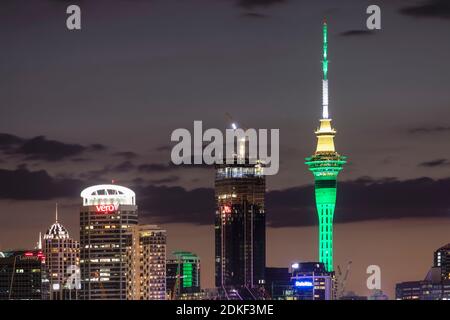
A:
409, 290
421, 290
325, 165
442, 260
311, 281
107, 216
435, 286
147, 264
240, 234
22, 275
62, 262
183, 274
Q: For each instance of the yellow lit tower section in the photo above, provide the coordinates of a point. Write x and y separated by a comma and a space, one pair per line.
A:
325, 164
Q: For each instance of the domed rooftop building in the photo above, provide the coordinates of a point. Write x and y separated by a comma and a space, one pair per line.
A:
62, 261
108, 216
56, 230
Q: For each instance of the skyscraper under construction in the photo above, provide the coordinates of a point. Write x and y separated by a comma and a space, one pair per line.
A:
240, 234
325, 164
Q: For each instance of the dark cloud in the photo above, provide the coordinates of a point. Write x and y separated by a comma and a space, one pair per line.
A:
254, 15
176, 204
428, 9
41, 148
97, 147
358, 33
108, 172
22, 184
125, 166
169, 179
164, 148
166, 167
435, 163
96, 175
249, 4
126, 154
364, 199
155, 167
358, 200
8, 141
80, 160
430, 129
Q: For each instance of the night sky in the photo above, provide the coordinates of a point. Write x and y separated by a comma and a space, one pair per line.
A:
79, 108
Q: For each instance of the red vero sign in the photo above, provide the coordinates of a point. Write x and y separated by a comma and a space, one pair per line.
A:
106, 208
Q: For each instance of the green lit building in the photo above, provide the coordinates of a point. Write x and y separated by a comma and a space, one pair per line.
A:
325, 164
182, 274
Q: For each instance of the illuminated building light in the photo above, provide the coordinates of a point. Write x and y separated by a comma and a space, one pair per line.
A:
226, 209
303, 284
147, 280
107, 194
107, 208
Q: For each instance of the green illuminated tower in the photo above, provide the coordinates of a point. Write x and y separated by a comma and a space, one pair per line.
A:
325, 165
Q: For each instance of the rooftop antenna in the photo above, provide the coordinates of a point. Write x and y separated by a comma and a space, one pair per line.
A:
39, 243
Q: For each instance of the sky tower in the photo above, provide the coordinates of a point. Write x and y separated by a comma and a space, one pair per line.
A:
325, 164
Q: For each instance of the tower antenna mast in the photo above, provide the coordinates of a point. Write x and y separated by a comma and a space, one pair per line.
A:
325, 72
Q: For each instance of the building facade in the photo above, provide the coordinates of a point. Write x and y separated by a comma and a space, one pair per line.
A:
435, 286
311, 281
22, 275
147, 264
442, 260
240, 235
107, 216
62, 262
417, 290
183, 275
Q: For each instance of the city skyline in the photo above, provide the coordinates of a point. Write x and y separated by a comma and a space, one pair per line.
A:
267, 77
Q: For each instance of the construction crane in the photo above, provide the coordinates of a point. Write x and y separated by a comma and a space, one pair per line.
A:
241, 144
230, 119
176, 286
233, 123
342, 281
